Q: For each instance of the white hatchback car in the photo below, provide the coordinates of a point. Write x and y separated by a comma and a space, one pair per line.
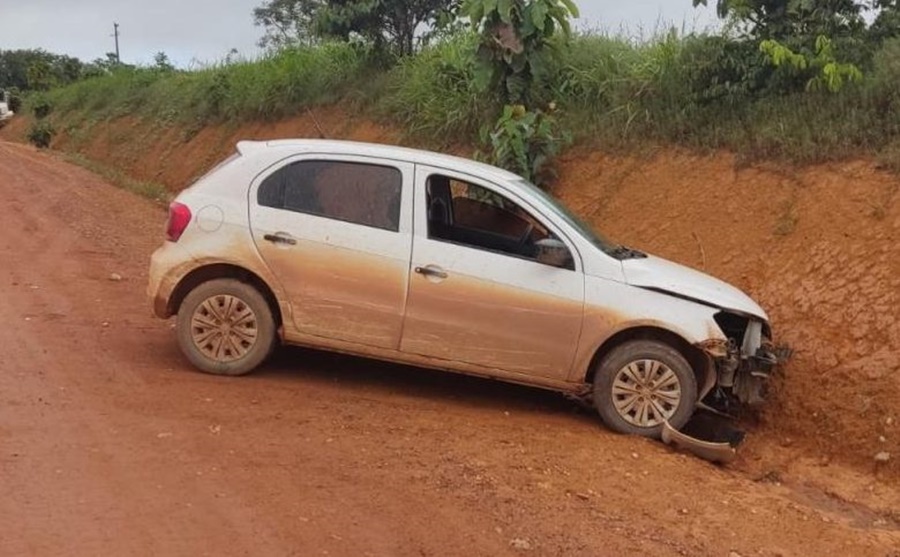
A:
442, 262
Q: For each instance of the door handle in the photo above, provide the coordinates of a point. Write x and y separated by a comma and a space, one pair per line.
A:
280, 238
432, 271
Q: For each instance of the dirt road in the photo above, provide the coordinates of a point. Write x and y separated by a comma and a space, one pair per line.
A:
111, 445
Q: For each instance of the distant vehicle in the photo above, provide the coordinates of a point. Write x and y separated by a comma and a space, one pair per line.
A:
5, 112
446, 263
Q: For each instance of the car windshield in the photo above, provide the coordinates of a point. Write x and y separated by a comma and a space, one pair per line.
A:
572, 219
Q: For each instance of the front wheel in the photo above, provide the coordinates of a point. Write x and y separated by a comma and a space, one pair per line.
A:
225, 327
641, 384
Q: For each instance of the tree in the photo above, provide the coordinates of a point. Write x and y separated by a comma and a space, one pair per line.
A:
516, 42
515, 54
887, 20
162, 63
794, 19
287, 22
39, 76
807, 44
390, 25
46, 69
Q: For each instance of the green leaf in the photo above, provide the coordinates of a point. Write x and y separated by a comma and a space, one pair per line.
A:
540, 63
516, 86
519, 63
475, 11
504, 9
482, 77
573, 9
539, 15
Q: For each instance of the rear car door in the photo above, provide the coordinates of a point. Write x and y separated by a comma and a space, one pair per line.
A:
478, 294
336, 231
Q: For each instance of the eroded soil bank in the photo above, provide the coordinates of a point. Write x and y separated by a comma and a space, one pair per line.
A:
817, 246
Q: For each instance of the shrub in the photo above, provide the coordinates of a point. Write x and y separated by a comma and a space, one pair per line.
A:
885, 74
723, 69
41, 106
41, 134
526, 142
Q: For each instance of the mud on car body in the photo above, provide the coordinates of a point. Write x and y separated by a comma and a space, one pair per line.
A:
431, 260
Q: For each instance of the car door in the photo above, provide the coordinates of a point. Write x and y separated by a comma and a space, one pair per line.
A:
336, 231
478, 294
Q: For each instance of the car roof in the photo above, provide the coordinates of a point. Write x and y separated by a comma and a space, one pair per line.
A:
415, 156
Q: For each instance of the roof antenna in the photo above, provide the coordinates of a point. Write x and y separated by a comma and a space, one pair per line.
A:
316, 122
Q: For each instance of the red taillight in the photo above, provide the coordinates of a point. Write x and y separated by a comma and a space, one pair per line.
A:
179, 219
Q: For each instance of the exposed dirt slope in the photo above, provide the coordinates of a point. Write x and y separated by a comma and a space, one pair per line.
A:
111, 445
818, 247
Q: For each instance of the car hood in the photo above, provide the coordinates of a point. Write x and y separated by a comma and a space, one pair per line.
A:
665, 276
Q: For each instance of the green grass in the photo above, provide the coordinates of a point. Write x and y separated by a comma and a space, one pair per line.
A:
692, 91
618, 94
270, 88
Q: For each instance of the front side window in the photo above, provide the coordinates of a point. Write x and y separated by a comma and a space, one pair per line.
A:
469, 214
358, 193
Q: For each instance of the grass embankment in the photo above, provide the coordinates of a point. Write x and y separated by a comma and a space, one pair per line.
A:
613, 93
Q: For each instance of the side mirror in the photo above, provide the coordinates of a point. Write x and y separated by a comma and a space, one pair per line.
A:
551, 251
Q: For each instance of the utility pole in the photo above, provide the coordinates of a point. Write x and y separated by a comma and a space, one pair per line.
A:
116, 35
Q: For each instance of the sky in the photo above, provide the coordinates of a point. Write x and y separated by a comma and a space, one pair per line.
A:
194, 32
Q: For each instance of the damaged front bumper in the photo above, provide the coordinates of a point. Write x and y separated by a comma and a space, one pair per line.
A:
738, 375
741, 364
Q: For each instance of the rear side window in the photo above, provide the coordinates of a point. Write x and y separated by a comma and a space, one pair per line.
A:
358, 193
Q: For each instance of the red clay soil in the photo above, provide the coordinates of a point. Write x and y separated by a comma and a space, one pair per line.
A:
817, 246
110, 444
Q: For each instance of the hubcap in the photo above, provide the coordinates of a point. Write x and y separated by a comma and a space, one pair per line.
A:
646, 393
224, 328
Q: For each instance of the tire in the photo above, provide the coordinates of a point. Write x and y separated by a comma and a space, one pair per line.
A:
645, 374
225, 327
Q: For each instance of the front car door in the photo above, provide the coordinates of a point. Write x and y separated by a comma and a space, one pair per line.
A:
337, 232
477, 294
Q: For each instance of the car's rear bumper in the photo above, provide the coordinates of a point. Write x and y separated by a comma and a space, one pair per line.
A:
168, 265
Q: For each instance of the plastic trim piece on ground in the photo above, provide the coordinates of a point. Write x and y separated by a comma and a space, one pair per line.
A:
713, 451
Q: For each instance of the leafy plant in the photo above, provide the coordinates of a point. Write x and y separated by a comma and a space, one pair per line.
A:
41, 134
287, 23
40, 106
794, 19
516, 54
162, 63
526, 142
389, 25
826, 72
516, 49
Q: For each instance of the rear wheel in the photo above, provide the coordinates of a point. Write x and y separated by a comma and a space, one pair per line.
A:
641, 384
225, 327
